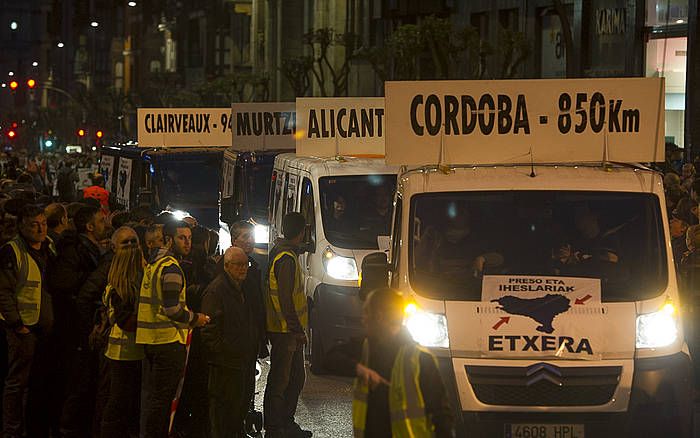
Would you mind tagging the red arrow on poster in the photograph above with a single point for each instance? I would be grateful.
(504, 320)
(582, 300)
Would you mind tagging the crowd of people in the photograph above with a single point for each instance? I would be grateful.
(125, 323)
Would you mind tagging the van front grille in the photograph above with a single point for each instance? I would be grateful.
(544, 384)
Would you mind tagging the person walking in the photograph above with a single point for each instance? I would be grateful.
(121, 412)
(398, 389)
(26, 312)
(232, 343)
(163, 323)
(287, 322)
(97, 191)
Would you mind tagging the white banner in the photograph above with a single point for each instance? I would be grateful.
(519, 121)
(558, 316)
(261, 126)
(107, 169)
(124, 182)
(184, 127)
(84, 179)
(340, 126)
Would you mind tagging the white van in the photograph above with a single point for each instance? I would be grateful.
(347, 203)
(547, 291)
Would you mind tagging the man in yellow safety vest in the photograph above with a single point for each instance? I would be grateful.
(398, 390)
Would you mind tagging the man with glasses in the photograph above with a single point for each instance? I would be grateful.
(26, 311)
(232, 342)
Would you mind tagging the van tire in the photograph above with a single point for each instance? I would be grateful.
(318, 357)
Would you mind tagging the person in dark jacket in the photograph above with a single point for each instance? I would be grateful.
(387, 342)
(26, 329)
(77, 260)
(57, 220)
(232, 342)
(689, 288)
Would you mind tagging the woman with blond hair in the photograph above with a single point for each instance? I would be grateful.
(121, 413)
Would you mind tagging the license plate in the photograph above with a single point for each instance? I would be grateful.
(544, 431)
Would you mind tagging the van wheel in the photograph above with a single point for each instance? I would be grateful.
(318, 357)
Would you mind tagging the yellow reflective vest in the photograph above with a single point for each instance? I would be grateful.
(28, 287)
(153, 326)
(121, 345)
(276, 322)
(406, 403)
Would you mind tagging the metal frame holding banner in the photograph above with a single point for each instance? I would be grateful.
(340, 126)
(523, 121)
(184, 127)
(262, 126)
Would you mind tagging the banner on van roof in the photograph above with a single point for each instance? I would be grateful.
(184, 127)
(262, 126)
(340, 126)
(519, 121)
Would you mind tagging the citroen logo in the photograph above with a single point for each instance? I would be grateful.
(543, 371)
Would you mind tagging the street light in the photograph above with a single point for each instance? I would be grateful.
(60, 45)
(94, 24)
(14, 85)
(14, 25)
(35, 64)
(11, 73)
(132, 4)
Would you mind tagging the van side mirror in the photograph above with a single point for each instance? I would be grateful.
(375, 273)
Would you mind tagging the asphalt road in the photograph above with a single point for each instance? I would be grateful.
(324, 407)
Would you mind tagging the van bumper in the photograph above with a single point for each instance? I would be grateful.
(661, 405)
(337, 315)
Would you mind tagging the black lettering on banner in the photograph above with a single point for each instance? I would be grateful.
(581, 98)
(530, 343)
(630, 120)
(313, 125)
(379, 112)
(597, 115)
(147, 125)
(512, 339)
(504, 120)
(521, 119)
(178, 122)
(614, 110)
(257, 123)
(171, 123)
(341, 113)
(159, 123)
(451, 110)
(354, 127)
(495, 343)
(324, 129)
(277, 122)
(332, 120)
(433, 125)
(367, 122)
(269, 130)
(548, 343)
(243, 124)
(486, 101)
(584, 345)
(417, 101)
(567, 342)
(564, 119)
(468, 114)
(287, 121)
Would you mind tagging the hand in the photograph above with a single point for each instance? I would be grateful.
(370, 377)
(23, 330)
(201, 320)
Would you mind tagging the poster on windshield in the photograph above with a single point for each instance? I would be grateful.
(184, 127)
(107, 169)
(351, 126)
(263, 126)
(524, 315)
(124, 182)
(524, 121)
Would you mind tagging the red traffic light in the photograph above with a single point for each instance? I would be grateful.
(81, 132)
(31, 83)
(11, 134)
(14, 85)
(14, 125)
(99, 134)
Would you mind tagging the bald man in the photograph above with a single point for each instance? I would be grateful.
(232, 339)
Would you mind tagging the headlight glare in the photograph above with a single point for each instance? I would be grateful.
(657, 329)
(262, 233)
(339, 267)
(428, 329)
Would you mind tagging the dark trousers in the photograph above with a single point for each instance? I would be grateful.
(120, 418)
(230, 392)
(284, 381)
(81, 387)
(162, 370)
(20, 355)
(192, 417)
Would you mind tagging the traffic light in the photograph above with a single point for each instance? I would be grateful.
(11, 134)
(31, 83)
(81, 132)
(14, 85)
(99, 134)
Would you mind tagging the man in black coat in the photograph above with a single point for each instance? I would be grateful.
(232, 341)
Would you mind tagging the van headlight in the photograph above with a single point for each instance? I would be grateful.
(658, 329)
(426, 328)
(339, 267)
(262, 233)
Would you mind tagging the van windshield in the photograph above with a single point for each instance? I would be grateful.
(356, 209)
(190, 182)
(258, 186)
(459, 237)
